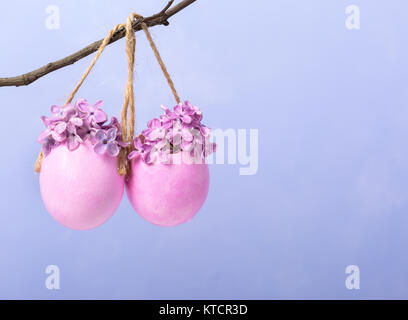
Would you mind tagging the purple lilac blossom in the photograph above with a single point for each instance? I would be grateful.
(176, 130)
(142, 149)
(106, 142)
(72, 124)
(94, 114)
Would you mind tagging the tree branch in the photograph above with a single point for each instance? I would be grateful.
(156, 19)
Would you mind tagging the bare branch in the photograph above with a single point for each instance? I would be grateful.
(160, 18)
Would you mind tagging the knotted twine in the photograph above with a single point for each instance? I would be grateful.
(129, 101)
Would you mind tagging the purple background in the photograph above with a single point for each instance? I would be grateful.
(332, 186)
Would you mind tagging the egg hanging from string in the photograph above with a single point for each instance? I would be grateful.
(79, 182)
(169, 178)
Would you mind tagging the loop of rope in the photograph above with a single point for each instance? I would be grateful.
(98, 53)
(160, 61)
(129, 103)
(129, 95)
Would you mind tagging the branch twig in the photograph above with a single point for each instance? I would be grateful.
(156, 19)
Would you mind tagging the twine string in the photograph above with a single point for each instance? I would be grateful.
(128, 125)
(160, 61)
(129, 102)
(98, 53)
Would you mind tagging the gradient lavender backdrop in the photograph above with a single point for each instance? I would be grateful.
(332, 186)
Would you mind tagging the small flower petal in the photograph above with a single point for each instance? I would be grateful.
(113, 149)
(98, 104)
(73, 142)
(186, 119)
(55, 109)
(178, 110)
(133, 154)
(100, 135)
(100, 148)
(43, 135)
(111, 134)
(154, 123)
(83, 106)
(186, 134)
(76, 121)
(60, 127)
(100, 116)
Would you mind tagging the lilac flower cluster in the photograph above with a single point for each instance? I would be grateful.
(176, 130)
(72, 124)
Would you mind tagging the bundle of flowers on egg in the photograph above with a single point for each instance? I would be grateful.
(169, 176)
(79, 182)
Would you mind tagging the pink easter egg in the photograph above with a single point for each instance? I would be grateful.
(167, 194)
(80, 189)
